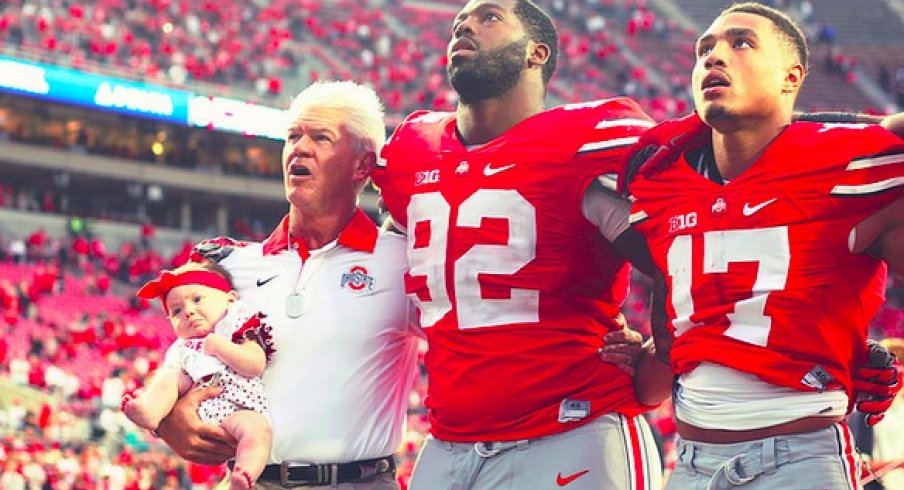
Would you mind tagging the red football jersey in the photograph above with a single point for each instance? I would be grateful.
(514, 285)
(761, 276)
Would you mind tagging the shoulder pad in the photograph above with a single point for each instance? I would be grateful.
(415, 129)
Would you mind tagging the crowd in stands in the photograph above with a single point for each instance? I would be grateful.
(258, 44)
(608, 47)
(166, 41)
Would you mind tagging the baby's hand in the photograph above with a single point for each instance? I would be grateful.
(213, 344)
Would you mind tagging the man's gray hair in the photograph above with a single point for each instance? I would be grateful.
(363, 109)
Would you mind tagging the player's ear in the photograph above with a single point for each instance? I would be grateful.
(233, 296)
(538, 54)
(794, 78)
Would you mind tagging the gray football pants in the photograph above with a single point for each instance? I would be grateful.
(818, 460)
(612, 452)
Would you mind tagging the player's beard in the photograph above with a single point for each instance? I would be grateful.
(488, 75)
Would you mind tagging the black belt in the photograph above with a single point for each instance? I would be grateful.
(290, 474)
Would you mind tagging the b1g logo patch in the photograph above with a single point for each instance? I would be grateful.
(426, 177)
(357, 279)
(682, 222)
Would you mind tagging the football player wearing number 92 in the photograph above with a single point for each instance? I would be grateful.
(774, 237)
(517, 251)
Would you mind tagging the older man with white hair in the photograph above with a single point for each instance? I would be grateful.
(331, 284)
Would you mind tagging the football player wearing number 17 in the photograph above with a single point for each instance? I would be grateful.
(517, 253)
(774, 237)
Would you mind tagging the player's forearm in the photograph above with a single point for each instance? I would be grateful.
(882, 235)
(633, 246)
(892, 249)
(894, 123)
(652, 379)
(659, 319)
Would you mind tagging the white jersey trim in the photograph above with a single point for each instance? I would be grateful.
(627, 122)
(609, 181)
(856, 190)
(862, 163)
(713, 396)
(637, 217)
(608, 144)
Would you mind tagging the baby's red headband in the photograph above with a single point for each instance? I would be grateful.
(158, 288)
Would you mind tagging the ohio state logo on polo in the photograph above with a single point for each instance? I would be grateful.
(338, 385)
(357, 279)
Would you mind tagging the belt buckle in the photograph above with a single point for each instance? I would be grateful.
(324, 474)
(487, 449)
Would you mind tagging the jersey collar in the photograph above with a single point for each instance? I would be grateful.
(359, 234)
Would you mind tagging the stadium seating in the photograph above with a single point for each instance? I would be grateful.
(166, 42)
(608, 48)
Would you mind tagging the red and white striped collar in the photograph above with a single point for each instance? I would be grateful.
(359, 234)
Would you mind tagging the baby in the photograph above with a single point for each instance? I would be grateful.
(215, 346)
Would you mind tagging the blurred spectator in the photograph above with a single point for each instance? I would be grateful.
(12, 479)
(16, 414)
(806, 11)
(18, 371)
(4, 134)
(885, 78)
(18, 250)
(827, 34)
(36, 243)
(146, 234)
(81, 142)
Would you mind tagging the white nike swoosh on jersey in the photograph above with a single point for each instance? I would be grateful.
(751, 210)
(490, 171)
